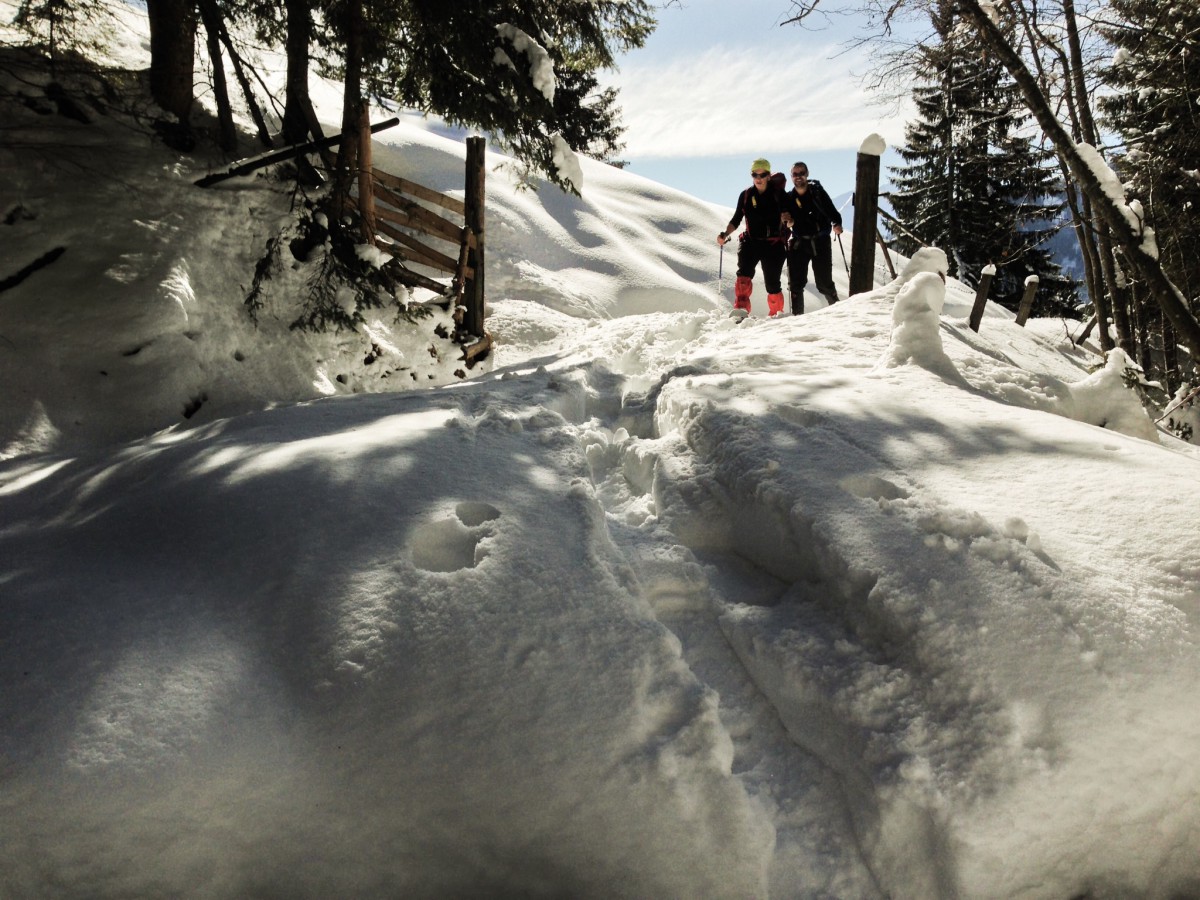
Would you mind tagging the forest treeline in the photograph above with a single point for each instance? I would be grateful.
(1032, 117)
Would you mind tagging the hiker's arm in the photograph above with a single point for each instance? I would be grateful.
(723, 236)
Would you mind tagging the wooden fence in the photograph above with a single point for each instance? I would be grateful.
(397, 217)
(393, 208)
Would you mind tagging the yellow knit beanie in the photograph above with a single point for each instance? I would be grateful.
(760, 165)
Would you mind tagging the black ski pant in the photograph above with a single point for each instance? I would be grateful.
(770, 253)
(819, 252)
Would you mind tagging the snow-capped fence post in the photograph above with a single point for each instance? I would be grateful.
(1031, 286)
(981, 294)
(474, 218)
(866, 216)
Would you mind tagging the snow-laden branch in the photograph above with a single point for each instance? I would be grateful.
(541, 67)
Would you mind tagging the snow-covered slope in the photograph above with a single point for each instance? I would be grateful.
(137, 318)
(857, 604)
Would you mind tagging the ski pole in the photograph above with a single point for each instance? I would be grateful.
(721, 272)
(843, 249)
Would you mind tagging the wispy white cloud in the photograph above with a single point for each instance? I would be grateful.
(733, 101)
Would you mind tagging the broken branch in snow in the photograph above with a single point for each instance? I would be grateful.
(40, 263)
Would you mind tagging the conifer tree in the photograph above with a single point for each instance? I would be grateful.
(973, 183)
(1156, 109)
(521, 70)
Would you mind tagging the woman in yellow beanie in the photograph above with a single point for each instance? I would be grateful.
(761, 205)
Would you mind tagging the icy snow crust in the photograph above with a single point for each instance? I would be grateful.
(858, 604)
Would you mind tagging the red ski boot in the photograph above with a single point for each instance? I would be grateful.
(742, 289)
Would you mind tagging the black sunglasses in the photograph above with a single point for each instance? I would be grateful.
(795, 174)
(760, 174)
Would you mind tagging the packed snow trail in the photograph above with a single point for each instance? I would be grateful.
(889, 629)
(696, 609)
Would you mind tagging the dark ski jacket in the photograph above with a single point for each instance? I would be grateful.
(761, 211)
(813, 212)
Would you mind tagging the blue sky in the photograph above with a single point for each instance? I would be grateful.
(720, 82)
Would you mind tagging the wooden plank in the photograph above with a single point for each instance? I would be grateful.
(415, 279)
(441, 260)
(386, 220)
(472, 353)
(404, 186)
(887, 257)
(411, 254)
(431, 221)
(401, 255)
(403, 220)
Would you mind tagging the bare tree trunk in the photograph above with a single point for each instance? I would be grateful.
(211, 19)
(352, 102)
(1087, 123)
(1171, 372)
(172, 55)
(1074, 97)
(1139, 322)
(1081, 212)
(1118, 294)
(1123, 232)
(299, 39)
(209, 8)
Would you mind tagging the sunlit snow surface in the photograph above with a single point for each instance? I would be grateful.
(858, 604)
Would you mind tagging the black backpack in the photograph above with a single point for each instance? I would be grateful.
(778, 189)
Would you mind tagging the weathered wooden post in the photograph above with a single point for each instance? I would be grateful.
(981, 293)
(474, 217)
(866, 215)
(1031, 286)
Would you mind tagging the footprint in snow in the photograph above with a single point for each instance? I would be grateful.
(451, 543)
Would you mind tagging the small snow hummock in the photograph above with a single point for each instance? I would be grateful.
(1104, 399)
(916, 320)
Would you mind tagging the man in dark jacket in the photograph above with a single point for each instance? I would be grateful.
(813, 216)
(761, 205)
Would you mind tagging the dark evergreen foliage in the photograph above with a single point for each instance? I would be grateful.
(973, 183)
(449, 59)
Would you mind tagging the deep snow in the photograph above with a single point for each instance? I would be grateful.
(854, 604)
